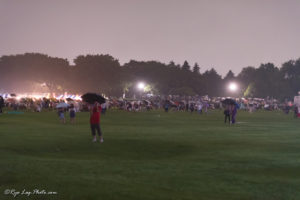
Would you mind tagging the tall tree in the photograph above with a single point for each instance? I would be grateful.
(212, 83)
(196, 68)
(98, 73)
(31, 71)
(229, 76)
(186, 66)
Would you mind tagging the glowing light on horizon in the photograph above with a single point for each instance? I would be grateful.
(233, 87)
(141, 86)
(39, 96)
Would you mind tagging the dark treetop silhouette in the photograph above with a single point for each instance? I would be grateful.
(33, 72)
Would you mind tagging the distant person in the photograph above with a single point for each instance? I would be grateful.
(1, 104)
(148, 107)
(200, 108)
(129, 106)
(166, 106)
(192, 108)
(296, 112)
(233, 113)
(206, 105)
(38, 108)
(136, 107)
(187, 107)
(72, 113)
(227, 114)
(95, 122)
(287, 109)
(104, 108)
(61, 115)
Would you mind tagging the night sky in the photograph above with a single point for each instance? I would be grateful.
(224, 34)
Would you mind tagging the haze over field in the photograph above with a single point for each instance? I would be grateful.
(229, 34)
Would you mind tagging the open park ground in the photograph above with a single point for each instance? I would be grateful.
(151, 155)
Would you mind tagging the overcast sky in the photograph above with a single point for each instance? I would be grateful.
(224, 34)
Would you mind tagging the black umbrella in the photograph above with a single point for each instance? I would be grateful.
(229, 102)
(92, 98)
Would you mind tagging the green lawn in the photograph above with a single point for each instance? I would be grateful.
(152, 155)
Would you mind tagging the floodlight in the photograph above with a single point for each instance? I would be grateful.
(141, 85)
(232, 87)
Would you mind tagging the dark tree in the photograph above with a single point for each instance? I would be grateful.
(229, 76)
(98, 73)
(186, 66)
(32, 72)
(196, 68)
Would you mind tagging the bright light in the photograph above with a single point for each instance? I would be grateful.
(233, 87)
(141, 85)
(78, 97)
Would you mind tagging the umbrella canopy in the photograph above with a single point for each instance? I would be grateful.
(92, 98)
(62, 105)
(231, 102)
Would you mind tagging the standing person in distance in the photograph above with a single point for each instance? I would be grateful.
(95, 112)
(1, 104)
(227, 114)
(233, 113)
(72, 114)
(104, 108)
(61, 115)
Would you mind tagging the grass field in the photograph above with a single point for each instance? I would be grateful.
(151, 155)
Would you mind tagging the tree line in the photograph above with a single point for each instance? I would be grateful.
(34, 72)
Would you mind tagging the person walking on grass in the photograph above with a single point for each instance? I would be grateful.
(199, 108)
(1, 104)
(95, 122)
(227, 114)
(72, 114)
(61, 115)
(192, 107)
(166, 106)
(233, 113)
(295, 111)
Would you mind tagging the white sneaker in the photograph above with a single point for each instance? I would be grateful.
(95, 140)
(101, 140)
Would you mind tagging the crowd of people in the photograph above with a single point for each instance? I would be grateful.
(198, 104)
(195, 103)
(168, 103)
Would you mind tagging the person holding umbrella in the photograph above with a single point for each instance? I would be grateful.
(95, 121)
(233, 106)
(95, 111)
